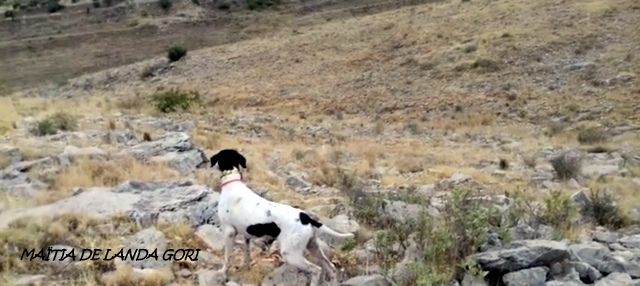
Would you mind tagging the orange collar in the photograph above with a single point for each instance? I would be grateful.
(230, 181)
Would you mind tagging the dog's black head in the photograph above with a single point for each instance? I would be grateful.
(228, 159)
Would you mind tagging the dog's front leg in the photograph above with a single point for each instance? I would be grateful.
(229, 236)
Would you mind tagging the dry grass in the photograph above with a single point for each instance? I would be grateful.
(89, 173)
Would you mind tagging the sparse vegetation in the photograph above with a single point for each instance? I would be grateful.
(10, 14)
(603, 210)
(559, 211)
(592, 135)
(176, 53)
(57, 122)
(174, 100)
(566, 165)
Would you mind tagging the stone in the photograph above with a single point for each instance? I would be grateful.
(367, 280)
(605, 236)
(340, 223)
(522, 254)
(12, 153)
(149, 239)
(72, 153)
(184, 162)
(30, 280)
(286, 275)
(597, 256)
(174, 148)
(212, 236)
(298, 182)
(211, 278)
(632, 241)
(402, 212)
(522, 231)
(527, 277)
(145, 202)
(470, 280)
(615, 279)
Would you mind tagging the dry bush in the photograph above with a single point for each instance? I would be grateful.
(603, 209)
(567, 166)
(592, 135)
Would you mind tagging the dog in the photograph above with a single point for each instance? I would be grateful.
(241, 211)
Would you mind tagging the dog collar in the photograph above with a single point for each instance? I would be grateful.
(229, 182)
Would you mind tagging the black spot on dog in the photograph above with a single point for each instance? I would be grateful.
(306, 219)
(228, 159)
(268, 213)
(264, 229)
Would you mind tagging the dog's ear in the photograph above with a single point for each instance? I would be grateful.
(242, 161)
(214, 160)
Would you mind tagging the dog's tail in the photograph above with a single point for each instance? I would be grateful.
(306, 219)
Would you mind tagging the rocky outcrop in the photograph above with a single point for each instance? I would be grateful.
(176, 149)
(145, 202)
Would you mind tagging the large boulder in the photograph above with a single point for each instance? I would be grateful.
(146, 202)
(367, 280)
(598, 256)
(632, 241)
(174, 148)
(522, 254)
(527, 277)
(286, 275)
(615, 279)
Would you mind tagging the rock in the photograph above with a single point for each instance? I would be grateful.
(615, 279)
(212, 236)
(367, 280)
(286, 275)
(583, 271)
(340, 223)
(72, 153)
(146, 202)
(403, 273)
(183, 272)
(211, 278)
(522, 232)
(595, 165)
(522, 254)
(183, 162)
(11, 153)
(580, 198)
(30, 280)
(298, 183)
(632, 241)
(564, 283)
(402, 212)
(57, 256)
(174, 148)
(527, 277)
(458, 178)
(149, 239)
(597, 256)
(470, 280)
(580, 66)
(605, 236)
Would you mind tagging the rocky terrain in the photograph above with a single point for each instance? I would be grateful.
(465, 143)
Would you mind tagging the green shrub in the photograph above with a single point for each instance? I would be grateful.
(174, 100)
(176, 53)
(566, 166)
(559, 211)
(52, 124)
(165, 4)
(603, 210)
(592, 135)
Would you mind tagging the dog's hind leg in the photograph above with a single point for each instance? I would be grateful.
(229, 236)
(303, 264)
(326, 264)
(247, 253)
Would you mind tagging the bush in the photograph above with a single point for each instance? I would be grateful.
(592, 135)
(10, 14)
(260, 4)
(559, 211)
(174, 100)
(165, 4)
(602, 209)
(53, 6)
(52, 124)
(176, 53)
(567, 166)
